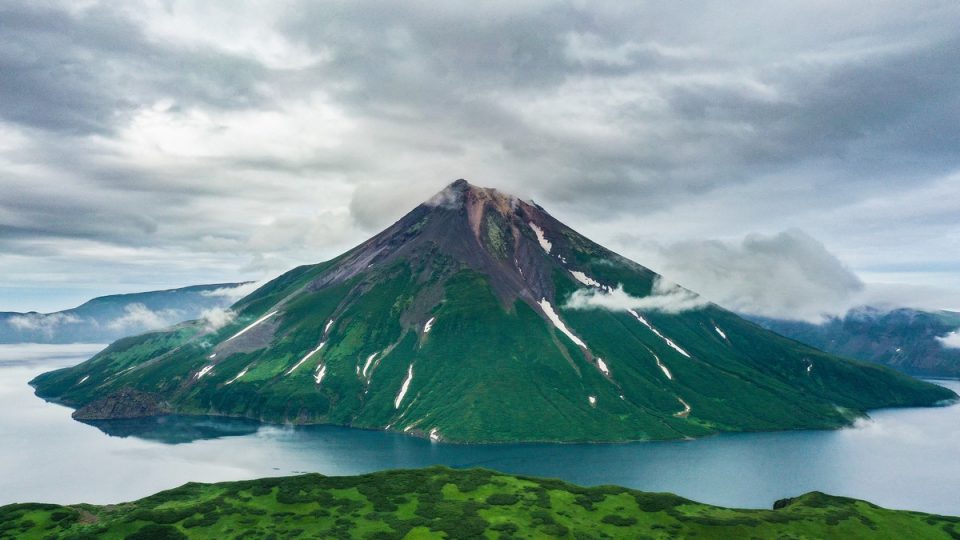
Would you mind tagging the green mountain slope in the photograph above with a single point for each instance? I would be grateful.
(904, 339)
(445, 503)
(454, 323)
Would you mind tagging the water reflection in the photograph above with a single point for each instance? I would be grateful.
(173, 429)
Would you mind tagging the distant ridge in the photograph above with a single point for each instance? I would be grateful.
(108, 318)
(907, 340)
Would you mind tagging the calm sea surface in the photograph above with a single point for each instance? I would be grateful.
(900, 458)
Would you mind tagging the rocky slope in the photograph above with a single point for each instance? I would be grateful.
(905, 339)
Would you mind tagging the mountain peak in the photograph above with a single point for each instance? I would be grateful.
(460, 184)
(462, 193)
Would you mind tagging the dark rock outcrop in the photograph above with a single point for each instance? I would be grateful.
(125, 403)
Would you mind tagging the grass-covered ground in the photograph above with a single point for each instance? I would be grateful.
(444, 503)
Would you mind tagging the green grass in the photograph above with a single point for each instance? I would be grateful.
(444, 503)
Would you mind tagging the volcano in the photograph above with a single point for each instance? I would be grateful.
(478, 317)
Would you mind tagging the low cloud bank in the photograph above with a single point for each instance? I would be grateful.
(109, 321)
(217, 318)
(950, 341)
(234, 293)
(665, 297)
(139, 317)
(786, 275)
(37, 322)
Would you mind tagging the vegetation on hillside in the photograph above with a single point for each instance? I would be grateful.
(444, 503)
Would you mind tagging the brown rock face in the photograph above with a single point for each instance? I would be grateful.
(125, 403)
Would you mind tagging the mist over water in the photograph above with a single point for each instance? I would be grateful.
(900, 458)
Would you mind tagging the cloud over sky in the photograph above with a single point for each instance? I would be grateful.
(789, 273)
(138, 316)
(171, 143)
(785, 275)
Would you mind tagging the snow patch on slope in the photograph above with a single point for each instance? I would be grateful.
(308, 355)
(663, 368)
(203, 371)
(667, 340)
(404, 388)
(84, 379)
(241, 374)
(327, 327)
(428, 325)
(592, 400)
(686, 409)
(544, 243)
(603, 366)
(719, 331)
(585, 279)
(252, 325)
(321, 371)
(366, 365)
(555, 319)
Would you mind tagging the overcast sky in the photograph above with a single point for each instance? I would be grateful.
(776, 156)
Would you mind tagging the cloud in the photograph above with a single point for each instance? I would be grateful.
(217, 318)
(787, 275)
(375, 205)
(449, 197)
(234, 293)
(313, 124)
(665, 297)
(47, 324)
(887, 296)
(138, 317)
(40, 354)
(950, 341)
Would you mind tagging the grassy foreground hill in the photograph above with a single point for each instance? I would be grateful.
(444, 503)
(478, 317)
